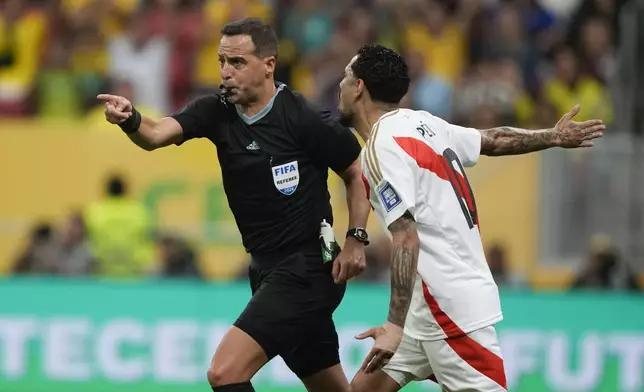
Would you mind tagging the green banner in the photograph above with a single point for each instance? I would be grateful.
(95, 336)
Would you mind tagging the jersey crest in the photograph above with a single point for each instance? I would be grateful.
(286, 177)
(388, 197)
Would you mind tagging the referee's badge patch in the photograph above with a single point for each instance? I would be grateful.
(286, 177)
(388, 197)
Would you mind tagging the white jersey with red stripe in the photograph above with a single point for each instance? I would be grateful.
(414, 162)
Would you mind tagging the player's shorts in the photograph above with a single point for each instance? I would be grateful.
(471, 362)
(290, 312)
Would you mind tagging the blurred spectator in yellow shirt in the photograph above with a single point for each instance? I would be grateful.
(93, 23)
(58, 93)
(22, 35)
(119, 231)
(428, 92)
(110, 16)
(570, 87)
(441, 38)
(89, 59)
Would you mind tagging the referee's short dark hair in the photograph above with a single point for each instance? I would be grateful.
(384, 72)
(262, 35)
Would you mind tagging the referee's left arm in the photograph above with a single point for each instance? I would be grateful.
(351, 260)
(336, 147)
(357, 202)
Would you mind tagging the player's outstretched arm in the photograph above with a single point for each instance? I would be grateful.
(566, 134)
(404, 263)
(143, 131)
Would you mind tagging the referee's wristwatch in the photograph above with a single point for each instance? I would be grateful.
(359, 234)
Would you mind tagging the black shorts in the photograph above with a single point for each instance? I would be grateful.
(290, 312)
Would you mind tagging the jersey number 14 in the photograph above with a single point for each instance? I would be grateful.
(461, 187)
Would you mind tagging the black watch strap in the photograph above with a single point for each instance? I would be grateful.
(359, 234)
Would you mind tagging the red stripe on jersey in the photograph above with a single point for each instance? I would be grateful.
(367, 189)
(469, 350)
(444, 321)
(426, 158)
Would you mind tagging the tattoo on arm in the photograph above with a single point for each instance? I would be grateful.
(515, 141)
(404, 264)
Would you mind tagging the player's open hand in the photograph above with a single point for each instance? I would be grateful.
(387, 339)
(350, 262)
(117, 109)
(572, 134)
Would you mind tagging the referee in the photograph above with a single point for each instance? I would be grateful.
(275, 150)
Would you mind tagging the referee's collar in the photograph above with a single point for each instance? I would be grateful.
(259, 115)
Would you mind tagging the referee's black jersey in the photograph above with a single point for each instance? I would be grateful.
(274, 165)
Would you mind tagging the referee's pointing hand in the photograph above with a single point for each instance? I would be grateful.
(117, 109)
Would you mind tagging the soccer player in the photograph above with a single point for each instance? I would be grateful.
(275, 150)
(444, 302)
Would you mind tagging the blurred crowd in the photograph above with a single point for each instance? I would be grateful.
(480, 63)
(112, 237)
(603, 267)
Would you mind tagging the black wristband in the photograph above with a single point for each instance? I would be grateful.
(132, 124)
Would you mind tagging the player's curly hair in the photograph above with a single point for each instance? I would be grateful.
(384, 72)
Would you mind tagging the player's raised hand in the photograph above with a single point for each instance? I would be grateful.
(349, 263)
(572, 134)
(387, 339)
(117, 109)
